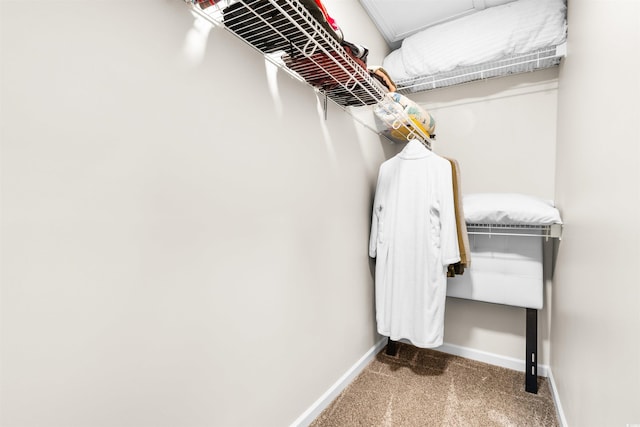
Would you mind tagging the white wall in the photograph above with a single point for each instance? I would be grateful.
(503, 134)
(167, 262)
(179, 247)
(596, 300)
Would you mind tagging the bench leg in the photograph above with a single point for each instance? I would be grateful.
(531, 361)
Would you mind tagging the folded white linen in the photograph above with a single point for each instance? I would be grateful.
(518, 27)
(509, 209)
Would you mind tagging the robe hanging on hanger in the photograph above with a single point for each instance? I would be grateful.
(414, 239)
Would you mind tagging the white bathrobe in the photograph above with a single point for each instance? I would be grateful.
(414, 238)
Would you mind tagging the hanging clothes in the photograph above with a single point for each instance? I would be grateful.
(413, 238)
(463, 237)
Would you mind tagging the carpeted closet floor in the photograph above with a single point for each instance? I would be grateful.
(420, 387)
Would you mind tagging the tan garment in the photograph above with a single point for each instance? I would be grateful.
(381, 74)
(463, 238)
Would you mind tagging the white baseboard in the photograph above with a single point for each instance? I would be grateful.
(490, 358)
(319, 405)
(556, 399)
(470, 353)
(509, 363)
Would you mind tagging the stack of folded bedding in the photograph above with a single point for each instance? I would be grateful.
(514, 28)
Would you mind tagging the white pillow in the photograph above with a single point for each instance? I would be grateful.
(509, 208)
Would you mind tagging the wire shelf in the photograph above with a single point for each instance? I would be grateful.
(546, 231)
(515, 64)
(289, 36)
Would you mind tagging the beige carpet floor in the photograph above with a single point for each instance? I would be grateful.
(421, 387)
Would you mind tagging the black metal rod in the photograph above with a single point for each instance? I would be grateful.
(531, 360)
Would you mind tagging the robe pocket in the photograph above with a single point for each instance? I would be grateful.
(380, 232)
(434, 220)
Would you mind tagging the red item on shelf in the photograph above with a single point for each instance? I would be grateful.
(206, 3)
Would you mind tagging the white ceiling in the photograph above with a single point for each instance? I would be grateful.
(398, 19)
